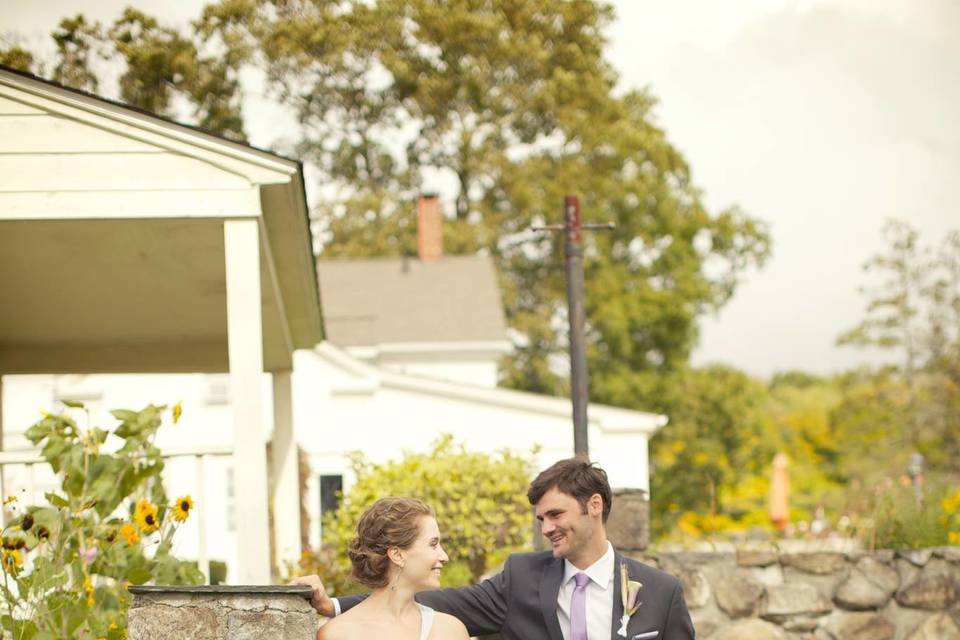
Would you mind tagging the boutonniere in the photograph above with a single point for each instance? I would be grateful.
(629, 593)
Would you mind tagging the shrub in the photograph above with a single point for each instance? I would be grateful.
(479, 499)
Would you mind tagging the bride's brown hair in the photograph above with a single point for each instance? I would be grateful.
(387, 523)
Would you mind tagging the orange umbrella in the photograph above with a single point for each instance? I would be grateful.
(780, 492)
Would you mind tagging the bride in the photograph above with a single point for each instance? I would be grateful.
(396, 553)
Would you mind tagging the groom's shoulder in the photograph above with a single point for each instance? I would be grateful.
(530, 559)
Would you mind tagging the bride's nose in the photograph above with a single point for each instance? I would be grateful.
(444, 558)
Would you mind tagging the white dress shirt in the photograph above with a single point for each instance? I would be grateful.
(599, 596)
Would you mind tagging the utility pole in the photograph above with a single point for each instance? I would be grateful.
(573, 261)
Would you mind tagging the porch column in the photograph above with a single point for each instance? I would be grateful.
(285, 480)
(245, 347)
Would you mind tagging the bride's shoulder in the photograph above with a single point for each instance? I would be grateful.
(446, 626)
(334, 629)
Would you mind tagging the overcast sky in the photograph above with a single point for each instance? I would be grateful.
(823, 118)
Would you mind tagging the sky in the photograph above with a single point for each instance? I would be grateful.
(821, 118)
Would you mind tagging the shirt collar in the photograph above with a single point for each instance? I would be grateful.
(600, 572)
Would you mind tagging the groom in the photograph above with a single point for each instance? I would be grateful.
(570, 593)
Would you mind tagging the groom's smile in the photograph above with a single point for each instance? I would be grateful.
(571, 532)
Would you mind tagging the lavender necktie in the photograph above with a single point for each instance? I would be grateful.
(578, 608)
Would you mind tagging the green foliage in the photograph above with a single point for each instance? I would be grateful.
(914, 312)
(515, 103)
(899, 522)
(66, 564)
(479, 500)
(17, 58)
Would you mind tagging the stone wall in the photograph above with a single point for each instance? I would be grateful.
(881, 595)
(221, 613)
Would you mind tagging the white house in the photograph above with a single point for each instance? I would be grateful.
(411, 352)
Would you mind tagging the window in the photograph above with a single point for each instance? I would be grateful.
(330, 489)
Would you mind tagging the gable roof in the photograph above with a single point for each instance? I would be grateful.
(377, 301)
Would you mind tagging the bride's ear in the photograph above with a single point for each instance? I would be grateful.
(395, 555)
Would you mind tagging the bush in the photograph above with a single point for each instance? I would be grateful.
(66, 566)
(480, 502)
(900, 523)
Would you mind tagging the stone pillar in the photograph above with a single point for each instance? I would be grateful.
(628, 527)
(221, 613)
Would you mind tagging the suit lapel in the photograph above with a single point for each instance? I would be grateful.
(549, 590)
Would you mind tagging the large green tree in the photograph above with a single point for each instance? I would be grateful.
(514, 104)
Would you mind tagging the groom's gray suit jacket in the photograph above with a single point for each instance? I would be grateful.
(520, 602)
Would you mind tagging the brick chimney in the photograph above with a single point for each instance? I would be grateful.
(429, 228)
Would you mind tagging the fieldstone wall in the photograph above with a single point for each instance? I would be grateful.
(881, 595)
(221, 613)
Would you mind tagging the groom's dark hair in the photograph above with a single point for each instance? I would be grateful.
(575, 477)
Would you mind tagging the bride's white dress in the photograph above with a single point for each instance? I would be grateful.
(426, 621)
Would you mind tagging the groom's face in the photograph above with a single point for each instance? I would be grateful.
(563, 522)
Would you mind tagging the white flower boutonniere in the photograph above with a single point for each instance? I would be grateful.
(629, 594)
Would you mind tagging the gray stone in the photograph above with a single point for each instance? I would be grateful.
(254, 625)
(160, 622)
(928, 591)
(752, 629)
(299, 626)
(738, 595)
(816, 563)
(860, 626)
(696, 588)
(801, 624)
(869, 586)
(788, 600)
(628, 526)
(937, 627)
(233, 613)
(879, 573)
(951, 554)
(748, 558)
(916, 557)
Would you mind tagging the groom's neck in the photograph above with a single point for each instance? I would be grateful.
(593, 551)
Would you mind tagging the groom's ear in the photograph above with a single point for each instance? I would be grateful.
(595, 505)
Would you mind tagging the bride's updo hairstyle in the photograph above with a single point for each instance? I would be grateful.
(387, 523)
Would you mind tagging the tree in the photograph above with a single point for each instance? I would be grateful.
(717, 440)
(479, 500)
(516, 105)
(160, 66)
(915, 312)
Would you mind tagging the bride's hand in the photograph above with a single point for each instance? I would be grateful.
(319, 599)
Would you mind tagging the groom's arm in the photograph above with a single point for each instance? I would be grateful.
(678, 625)
(482, 608)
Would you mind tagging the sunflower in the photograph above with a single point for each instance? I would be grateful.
(182, 507)
(146, 516)
(11, 560)
(129, 533)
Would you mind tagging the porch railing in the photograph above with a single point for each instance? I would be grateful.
(32, 495)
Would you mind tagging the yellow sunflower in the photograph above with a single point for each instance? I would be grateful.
(146, 516)
(182, 507)
(11, 560)
(129, 534)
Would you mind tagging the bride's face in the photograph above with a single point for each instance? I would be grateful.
(425, 557)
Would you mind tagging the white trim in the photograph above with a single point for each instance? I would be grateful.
(606, 418)
(258, 166)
